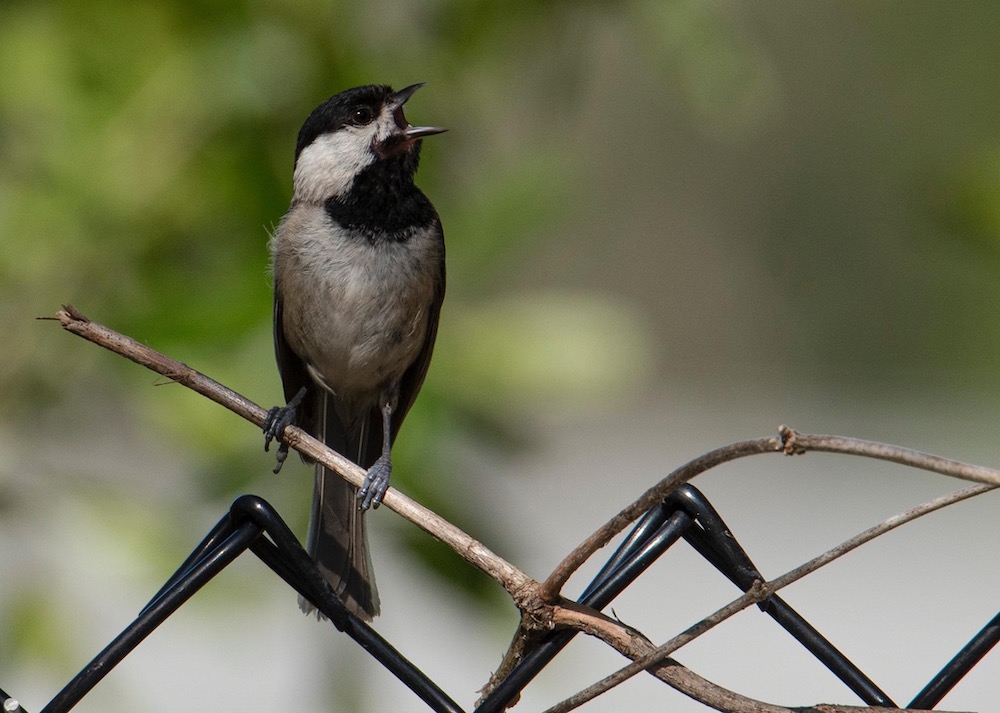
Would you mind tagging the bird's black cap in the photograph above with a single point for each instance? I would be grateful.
(336, 112)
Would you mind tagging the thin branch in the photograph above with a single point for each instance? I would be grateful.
(795, 443)
(757, 594)
(524, 638)
(791, 443)
(682, 679)
(516, 582)
(540, 604)
(552, 586)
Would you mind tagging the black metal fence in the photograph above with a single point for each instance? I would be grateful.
(686, 515)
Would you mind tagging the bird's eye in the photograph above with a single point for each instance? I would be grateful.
(362, 115)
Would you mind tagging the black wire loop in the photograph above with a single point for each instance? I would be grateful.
(251, 523)
(242, 528)
(687, 513)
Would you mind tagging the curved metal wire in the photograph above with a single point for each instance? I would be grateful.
(253, 524)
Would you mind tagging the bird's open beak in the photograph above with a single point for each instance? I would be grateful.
(410, 133)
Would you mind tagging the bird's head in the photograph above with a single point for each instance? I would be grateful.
(350, 132)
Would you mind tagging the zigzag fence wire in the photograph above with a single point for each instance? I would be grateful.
(252, 524)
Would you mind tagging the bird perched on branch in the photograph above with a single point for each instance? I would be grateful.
(359, 278)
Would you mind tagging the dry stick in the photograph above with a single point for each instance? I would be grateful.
(688, 682)
(516, 582)
(519, 585)
(554, 584)
(796, 443)
(790, 443)
(633, 645)
(757, 594)
(549, 591)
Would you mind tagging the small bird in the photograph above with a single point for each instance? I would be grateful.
(358, 265)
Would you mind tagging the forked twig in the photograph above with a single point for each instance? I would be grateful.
(759, 593)
(541, 603)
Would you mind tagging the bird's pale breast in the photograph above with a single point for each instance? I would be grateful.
(355, 311)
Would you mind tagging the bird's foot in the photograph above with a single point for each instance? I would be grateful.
(278, 419)
(376, 483)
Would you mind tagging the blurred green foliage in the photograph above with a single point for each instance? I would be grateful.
(146, 154)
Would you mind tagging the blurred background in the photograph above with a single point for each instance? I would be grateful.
(671, 225)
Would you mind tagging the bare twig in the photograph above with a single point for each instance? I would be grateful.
(524, 638)
(791, 443)
(518, 584)
(682, 679)
(795, 443)
(541, 605)
(554, 584)
(757, 594)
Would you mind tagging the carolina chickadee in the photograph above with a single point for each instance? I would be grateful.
(358, 265)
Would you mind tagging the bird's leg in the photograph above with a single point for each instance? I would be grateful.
(377, 478)
(277, 420)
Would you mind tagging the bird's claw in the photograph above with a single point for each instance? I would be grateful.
(280, 456)
(277, 420)
(376, 483)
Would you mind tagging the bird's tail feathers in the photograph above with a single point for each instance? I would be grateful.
(338, 538)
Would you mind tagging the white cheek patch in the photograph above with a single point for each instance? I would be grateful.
(326, 168)
(328, 165)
